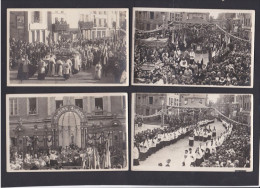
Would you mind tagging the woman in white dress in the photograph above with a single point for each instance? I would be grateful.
(98, 71)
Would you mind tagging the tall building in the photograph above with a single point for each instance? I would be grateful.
(150, 20)
(29, 26)
(58, 25)
(246, 21)
(60, 121)
(99, 24)
(150, 103)
(244, 104)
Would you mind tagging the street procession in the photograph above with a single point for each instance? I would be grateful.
(51, 48)
(200, 132)
(192, 48)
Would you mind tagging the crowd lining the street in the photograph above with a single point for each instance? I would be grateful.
(231, 148)
(229, 61)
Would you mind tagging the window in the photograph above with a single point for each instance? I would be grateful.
(186, 101)
(99, 22)
(99, 104)
(32, 106)
(13, 108)
(59, 103)
(150, 100)
(151, 15)
(95, 22)
(36, 17)
(79, 103)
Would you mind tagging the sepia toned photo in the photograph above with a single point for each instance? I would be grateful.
(193, 47)
(67, 47)
(67, 132)
(192, 132)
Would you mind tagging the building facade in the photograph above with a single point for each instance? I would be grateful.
(99, 24)
(150, 103)
(29, 26)
(150, 20)
(57, 24)
(244, 112)
(193, 99)
(45, 122)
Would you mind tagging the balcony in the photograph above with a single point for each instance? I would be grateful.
(60, 27)
(35, 26)
(86, 25)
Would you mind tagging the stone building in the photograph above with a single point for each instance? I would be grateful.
(58, 121)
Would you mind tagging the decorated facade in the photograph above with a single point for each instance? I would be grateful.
(40, 123)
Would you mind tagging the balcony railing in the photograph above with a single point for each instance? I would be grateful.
(86, 25)
(60, 27)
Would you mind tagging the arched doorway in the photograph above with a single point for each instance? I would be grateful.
(69, 126)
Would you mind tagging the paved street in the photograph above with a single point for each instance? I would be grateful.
(175, 152)
(83, 77)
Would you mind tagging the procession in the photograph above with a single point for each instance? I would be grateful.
(192, 49)
(94, 50)
(191, 136)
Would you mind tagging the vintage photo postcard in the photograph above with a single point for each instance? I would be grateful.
(67, 47)
(193, 47)
(67, 132)
(192, 132)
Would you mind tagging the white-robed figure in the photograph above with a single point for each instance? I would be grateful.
(67, 69)
(59, 68)
(98, 71)
(52, 63)
(77, 64)
(107, 157)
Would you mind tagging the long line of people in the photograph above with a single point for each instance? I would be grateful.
(229, 149)
(150, 141)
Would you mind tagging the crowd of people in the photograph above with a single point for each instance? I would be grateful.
(226, 62)
(150, 141)
(66, 57)
(71, 157)
(229, 149)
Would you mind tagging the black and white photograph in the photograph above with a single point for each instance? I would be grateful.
(193, 47)
(67, 47)
(192, 132)
(67, 132)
